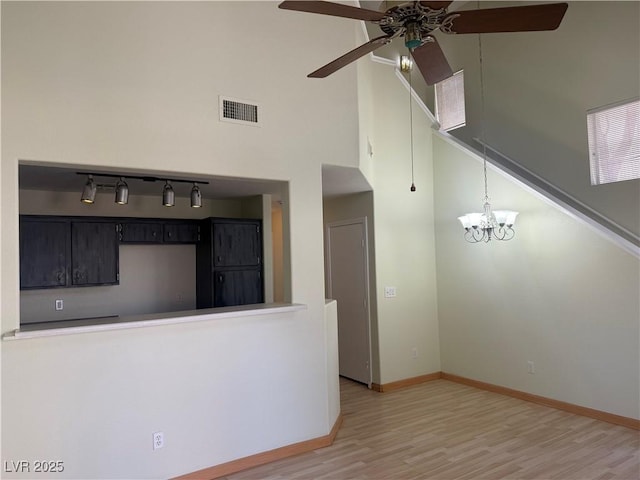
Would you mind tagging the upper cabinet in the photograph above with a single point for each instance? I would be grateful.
(236, 243)
(94, 253)
(45, 251)
(84, 251)
(138, 230)
(63, 252)
(183, 232)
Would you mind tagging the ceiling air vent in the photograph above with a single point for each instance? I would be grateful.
(238, 111)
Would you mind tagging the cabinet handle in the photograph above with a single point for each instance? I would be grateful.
(60, 277)
(220, 278)
(219, 258)
(169, 234)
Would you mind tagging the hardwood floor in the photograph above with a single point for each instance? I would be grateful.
(445, 430)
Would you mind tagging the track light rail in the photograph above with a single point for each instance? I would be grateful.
(145, 178)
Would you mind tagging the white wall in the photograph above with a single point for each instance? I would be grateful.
(559, 294)
(539, 86)
(401, 235)
(404, 236)
(135, 85)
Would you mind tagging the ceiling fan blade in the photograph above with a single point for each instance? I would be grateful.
(431, 61)
(349, 57)
(335, 9)
(528, 18)
(436, 5)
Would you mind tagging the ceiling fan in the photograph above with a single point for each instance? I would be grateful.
(416, 21)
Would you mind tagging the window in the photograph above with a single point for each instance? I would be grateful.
(614, 142)
(450, 102)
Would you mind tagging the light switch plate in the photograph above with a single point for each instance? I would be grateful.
(59, 305)
(389, 292)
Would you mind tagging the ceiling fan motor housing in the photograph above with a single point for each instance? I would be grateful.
(412, 20)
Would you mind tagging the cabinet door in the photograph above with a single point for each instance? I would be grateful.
(94, 253)
(236, 244)
(142, 232)
(237, 287)
(44, 253)
(181, 232)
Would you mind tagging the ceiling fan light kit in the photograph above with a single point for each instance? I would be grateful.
(406, 64)
(416, 21)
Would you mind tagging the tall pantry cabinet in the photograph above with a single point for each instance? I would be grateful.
(229, 263)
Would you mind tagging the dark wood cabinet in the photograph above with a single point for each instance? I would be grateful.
(134, 230)
(229, 263)
(94, 253)
(44, 253)
(236, 244)
(140, 232)
(181, 232)
(237, 287)
(67, 252)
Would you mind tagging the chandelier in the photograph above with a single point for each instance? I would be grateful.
(483, 227)
(490, 224)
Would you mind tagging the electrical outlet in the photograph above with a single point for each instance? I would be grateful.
(414, 352)
(158, 440)
(389, 292)
(531, 368)
(59, 305)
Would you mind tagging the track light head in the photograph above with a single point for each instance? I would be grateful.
(196, 196)
(168, 195)
(122, 192)
(89, 191)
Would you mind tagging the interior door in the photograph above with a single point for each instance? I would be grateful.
(348, 283)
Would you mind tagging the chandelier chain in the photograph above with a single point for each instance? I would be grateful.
(482, 119)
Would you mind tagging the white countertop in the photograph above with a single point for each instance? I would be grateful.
(69, 327)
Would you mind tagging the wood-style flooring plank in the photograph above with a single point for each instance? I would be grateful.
(443, 430)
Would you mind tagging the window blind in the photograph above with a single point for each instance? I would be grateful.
(614, 142)
(449, 94)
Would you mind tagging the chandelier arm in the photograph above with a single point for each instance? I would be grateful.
(509, 232)
(468, 235)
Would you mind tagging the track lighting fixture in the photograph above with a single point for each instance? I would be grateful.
(122, 188)
(122, 192)
(89, 191)
(196, 196)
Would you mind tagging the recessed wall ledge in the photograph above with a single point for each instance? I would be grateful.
(100, 324)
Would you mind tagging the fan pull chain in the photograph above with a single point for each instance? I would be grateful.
(413, 185)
